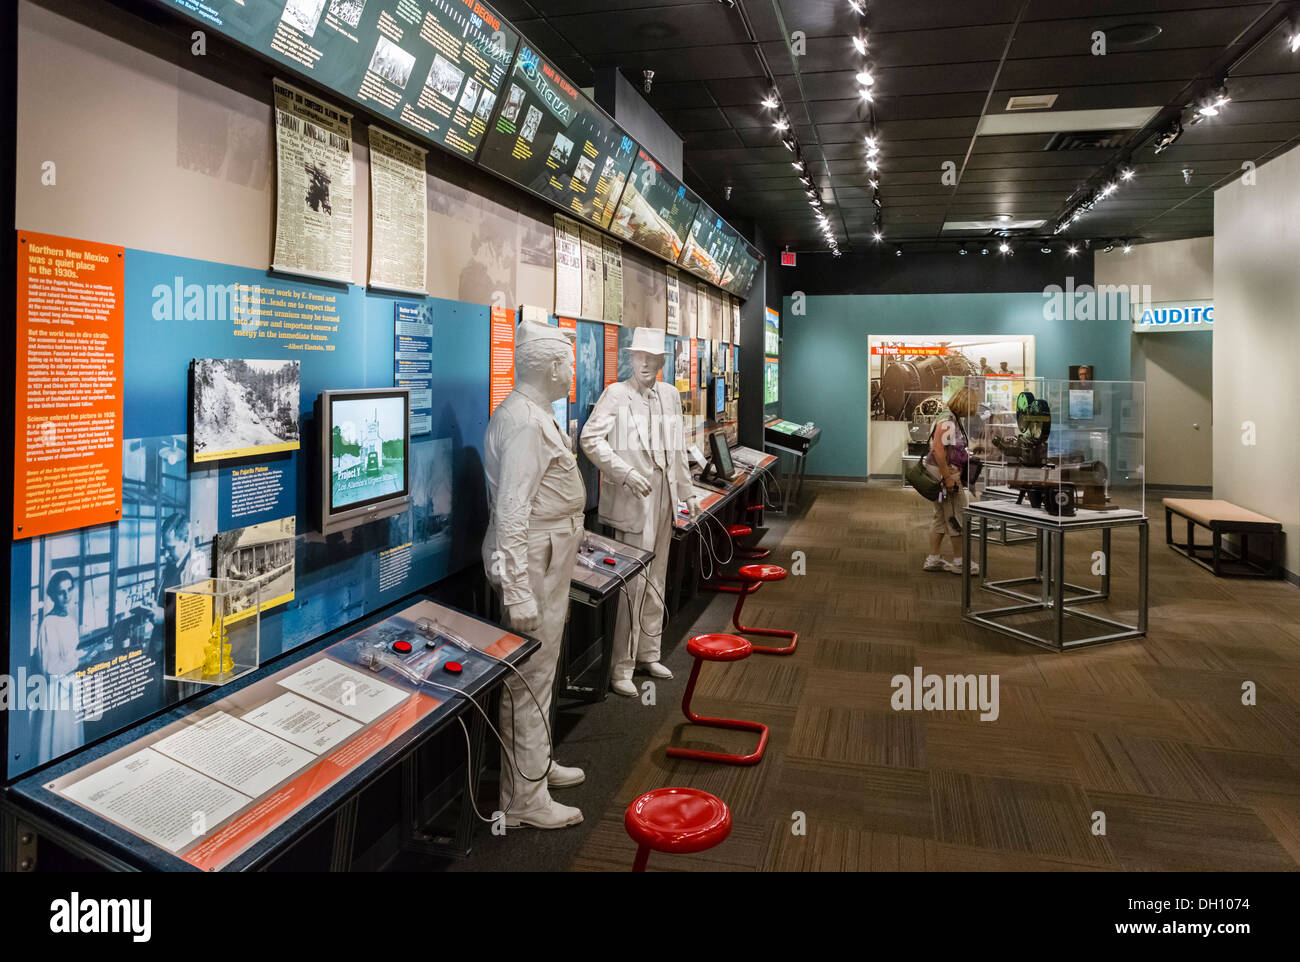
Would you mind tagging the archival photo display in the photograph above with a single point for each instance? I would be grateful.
(262, 553)
(244, 407)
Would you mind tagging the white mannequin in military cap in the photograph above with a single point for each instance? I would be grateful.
(636, 436)
(537, 499)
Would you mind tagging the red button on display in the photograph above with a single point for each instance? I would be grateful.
(452, 666)
(610, 561)
(402, 646)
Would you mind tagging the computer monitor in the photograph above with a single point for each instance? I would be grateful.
(717, 397)
(719, 467)
(365, 443)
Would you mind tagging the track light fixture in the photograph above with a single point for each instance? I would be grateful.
(898, 252)
(1110, 246)
(781, 123)
(1045, 249)
(1293, 38)
(962, 250)
(860, 45)
(877, 236)
(797, 165)
(770, 102)
(1072, 250)
(1004, 248)
(984, 250)
(789, 143)
(1166, 140)
(864, 78)
(865, 94)
(1127, 248)
(859, 6)
(648, 76)
(1127, 173)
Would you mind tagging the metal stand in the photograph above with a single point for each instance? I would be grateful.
(1049, 580)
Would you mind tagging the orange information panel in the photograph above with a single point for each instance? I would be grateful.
(68, 385)
(501, 377)
(570, 324)
(611, 354)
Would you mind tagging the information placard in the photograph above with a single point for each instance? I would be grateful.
(501, 377)
(710, 245)
(657, 209)
(552, 140)
(433, 66)
(68, 385)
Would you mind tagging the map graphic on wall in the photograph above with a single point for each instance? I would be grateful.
(550, 139)
(907, 372)
(433, 66)
(244, 407)
(657, 209)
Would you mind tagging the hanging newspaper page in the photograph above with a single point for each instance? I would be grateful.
(399, 214)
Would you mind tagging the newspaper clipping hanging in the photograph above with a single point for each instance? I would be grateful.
(613, 251)
(313, 152)
(568, 267)
(593, 274)
(399, 214)
(674, 325)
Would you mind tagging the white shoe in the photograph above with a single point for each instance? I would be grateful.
(553, 815)
(624, 687)
(561, 776)
(656, 670)
(934, 563)
(955, 567)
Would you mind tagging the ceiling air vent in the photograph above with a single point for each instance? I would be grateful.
(1088, 140)
(1037, 102)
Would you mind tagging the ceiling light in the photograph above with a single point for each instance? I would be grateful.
(835, 251)
(797, 165)
(875, 184)
(1109, 189)
(1293, 41)
(860, 45)
(962, 250)
(807, 181)
(1045, 249)
(770, 102)
(873, 164)
(870, 140)
(1127, 173)
(1110, 246)
(1127, 247)
(781, 124)
(864, 77)
(858, 7)
(1004, 248)
(789, 143)
(898, 252)
(1072, 250)
(873, 150)
(865, 94)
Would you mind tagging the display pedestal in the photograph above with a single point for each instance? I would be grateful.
(1051, 593)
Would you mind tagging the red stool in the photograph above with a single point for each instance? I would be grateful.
(753, 576)
(738, 531)
(717, 648)
(677, 820)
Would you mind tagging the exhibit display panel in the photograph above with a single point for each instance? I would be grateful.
(709, 247)
(1067, 449)
(657, 210)
(742, 268)
(433, 66)
(553, 141)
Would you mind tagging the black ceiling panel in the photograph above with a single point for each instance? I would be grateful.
(937, 69)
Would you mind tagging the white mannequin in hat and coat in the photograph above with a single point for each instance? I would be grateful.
(636, 437)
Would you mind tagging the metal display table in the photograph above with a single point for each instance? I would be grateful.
(786, 437)
(325, 788)
(1050, 591)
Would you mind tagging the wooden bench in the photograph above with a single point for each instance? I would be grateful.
(1220, 518)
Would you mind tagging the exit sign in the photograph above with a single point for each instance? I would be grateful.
(787, 258)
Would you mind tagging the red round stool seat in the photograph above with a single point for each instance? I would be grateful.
(761, 573)
(739, 530)
(719, 647)
(676, 820)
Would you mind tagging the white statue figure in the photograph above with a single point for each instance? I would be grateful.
(636, 436)
(537, 498)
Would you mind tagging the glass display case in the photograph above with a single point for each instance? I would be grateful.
(214, 630)
(1068, 449)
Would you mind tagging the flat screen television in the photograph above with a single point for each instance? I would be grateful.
(720, 467)
(365, 443)
(719, 397)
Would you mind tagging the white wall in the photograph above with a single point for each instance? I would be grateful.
(1257, 344)
(1177, 367)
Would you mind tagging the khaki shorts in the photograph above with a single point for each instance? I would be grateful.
(949, 506)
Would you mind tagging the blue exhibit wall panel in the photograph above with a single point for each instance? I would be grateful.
(824, 360)
(176, 310)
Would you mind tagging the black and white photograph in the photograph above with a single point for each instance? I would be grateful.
(608, 170)
(561, 149)
(585, 167)
(349, 11)
(514, 102)
(531, 121)
(472, 87)
(392, 62)
(244, 407)
(303, 14)
(444, 77)
(318, 189)
(485, 105)
(262, 553)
